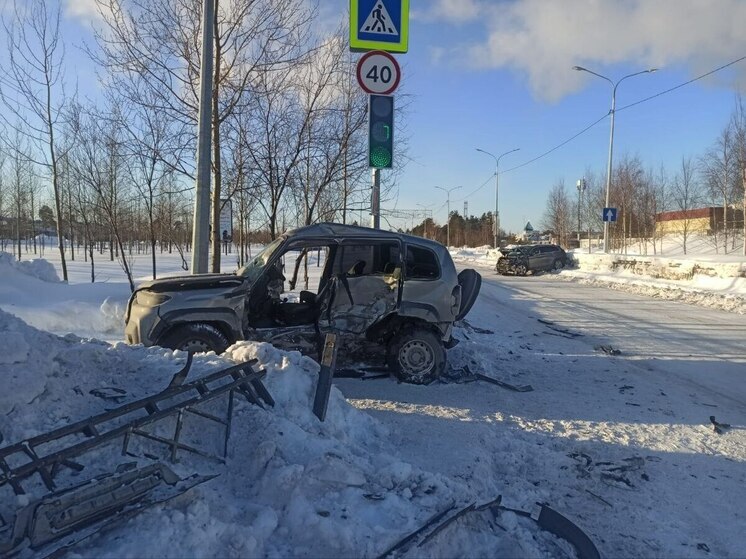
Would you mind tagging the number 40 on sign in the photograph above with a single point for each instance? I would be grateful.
(378, 73)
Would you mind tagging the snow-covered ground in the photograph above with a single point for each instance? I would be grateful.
(620, 444)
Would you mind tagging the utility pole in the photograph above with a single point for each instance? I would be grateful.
(201, 232)
(448, 218)
(581, 188)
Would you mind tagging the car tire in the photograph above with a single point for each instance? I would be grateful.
(197, 337)
(520, 269)
(416, 355)
(558, 264)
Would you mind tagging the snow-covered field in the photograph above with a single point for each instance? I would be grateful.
(618, 444)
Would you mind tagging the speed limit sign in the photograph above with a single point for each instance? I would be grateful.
(378, 73)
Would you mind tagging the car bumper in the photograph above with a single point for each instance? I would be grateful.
(142, 326)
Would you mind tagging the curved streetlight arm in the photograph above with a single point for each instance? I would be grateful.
(612, 111)
(497, 189)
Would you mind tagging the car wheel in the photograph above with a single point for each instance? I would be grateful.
(417, 356)
(520, 269)
(197, 337)
(558, 264)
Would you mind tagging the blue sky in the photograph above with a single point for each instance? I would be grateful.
(496, 74)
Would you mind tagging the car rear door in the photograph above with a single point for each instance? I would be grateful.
(365, 286)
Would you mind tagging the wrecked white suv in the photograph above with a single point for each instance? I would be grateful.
(375, 289)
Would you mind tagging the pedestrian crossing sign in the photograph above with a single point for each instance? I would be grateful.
(379, 25)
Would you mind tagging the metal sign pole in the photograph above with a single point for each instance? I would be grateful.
(375, 200)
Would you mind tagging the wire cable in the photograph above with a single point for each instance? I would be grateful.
(723, 67)
(702, 76)
(555, 148)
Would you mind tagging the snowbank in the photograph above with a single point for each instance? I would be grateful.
(36, 268)
(32, 291)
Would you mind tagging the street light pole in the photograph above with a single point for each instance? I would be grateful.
(448, 218)
(426, 211)
(581, 188)
(612, 111)
(497, 190)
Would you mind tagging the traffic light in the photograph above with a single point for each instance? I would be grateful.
(381, 131)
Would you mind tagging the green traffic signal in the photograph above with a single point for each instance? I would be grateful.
(381, 131)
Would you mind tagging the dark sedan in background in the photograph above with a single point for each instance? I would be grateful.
(521, 260)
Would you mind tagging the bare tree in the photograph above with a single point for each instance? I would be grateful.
(155, 44)
(739, 126)
(558, 216)
(686, 196)
(31, 88)
(720, 169)
(97, 163)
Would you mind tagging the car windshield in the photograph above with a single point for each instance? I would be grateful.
(253, 269)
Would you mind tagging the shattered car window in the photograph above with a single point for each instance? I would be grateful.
(253, 269)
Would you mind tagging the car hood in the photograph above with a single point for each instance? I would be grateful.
(197, 281)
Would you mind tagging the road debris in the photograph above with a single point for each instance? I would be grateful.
(718, 427)
(608, 350)
(547, 519)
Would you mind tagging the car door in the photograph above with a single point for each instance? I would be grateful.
(364, 286)
(535, 258)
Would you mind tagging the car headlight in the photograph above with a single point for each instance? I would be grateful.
(151, 299)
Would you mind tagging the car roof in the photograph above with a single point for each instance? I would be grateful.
(339, 230)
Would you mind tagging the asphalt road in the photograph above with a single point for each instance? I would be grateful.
(687, 343)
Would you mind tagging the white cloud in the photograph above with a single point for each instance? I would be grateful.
(452, 11)
(545, 38)
(85, 10)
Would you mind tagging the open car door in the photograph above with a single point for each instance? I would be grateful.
(470, 282)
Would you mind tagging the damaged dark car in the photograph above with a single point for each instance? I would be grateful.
(520, 260)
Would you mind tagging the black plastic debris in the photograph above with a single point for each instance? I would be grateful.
(548, 519)
(718, 427)
(608, 350)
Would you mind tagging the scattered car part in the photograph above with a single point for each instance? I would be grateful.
(404, 543)
(326, 374)
(76, 513)
(719, 428)
(130, 420)
(564, 331)
(608, 350)
(548, 519)
(62, 519)
(503, 384)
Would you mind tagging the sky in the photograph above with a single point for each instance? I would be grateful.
(497, 75)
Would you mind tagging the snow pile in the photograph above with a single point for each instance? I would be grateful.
(32, 291)
(36, 268)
